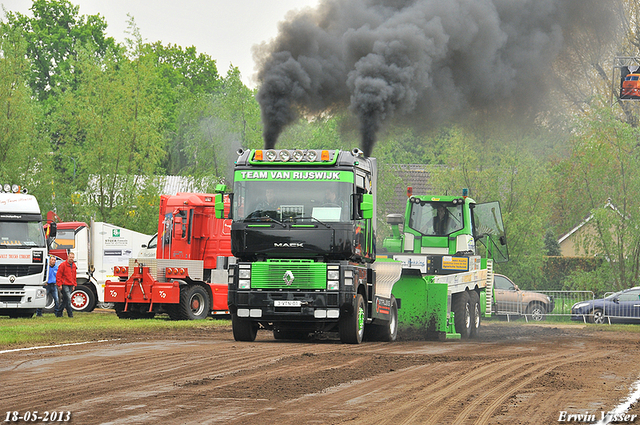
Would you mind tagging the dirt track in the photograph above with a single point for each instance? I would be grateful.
(513, 374)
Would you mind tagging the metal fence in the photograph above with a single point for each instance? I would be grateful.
(538, 305)
(618, 307)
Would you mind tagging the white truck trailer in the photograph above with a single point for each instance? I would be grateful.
(98, 247)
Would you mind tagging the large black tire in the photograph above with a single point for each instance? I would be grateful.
(462, 310)
(476, 313)
(243, 329)
(351, 326)
(143, 315)
(536, 312)
(83, 299)
(119, 308)
(195, 303)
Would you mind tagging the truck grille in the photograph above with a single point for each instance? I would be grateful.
(19, 270)
(306, 274)
(11, 293)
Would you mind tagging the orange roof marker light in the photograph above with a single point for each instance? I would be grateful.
(324, 156)
(258, 155)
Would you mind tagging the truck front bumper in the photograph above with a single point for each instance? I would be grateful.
(281, 306)
(23, 297)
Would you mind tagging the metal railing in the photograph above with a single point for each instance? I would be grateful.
(622, 309)
(537, 305)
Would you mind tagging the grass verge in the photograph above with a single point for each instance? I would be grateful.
(94, 326)
(564, 321)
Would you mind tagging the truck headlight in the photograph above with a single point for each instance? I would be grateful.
(244, 284)
(41, 293)
(244, 274)
(333, 285)
(333, 275)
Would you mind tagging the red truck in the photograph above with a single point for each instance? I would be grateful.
(188, 277)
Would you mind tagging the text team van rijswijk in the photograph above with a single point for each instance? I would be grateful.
(302, 175)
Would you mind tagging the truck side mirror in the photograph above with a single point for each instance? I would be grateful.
(219, 205)
(395, 220)
(179, 230)
(53, 230)
(366, 206)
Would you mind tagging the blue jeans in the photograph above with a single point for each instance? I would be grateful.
(52, 289)
(66, 301)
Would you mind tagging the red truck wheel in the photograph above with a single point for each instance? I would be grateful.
(83, 299)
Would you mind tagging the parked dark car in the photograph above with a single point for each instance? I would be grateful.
(511, 300)
(621, 307)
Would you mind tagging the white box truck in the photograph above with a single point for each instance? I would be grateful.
(98, 247)
(23, 254)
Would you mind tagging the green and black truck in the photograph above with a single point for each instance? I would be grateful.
(303, 234)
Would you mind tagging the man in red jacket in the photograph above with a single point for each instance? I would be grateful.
(66, 279)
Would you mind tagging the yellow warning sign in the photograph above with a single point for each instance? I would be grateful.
(455, 263)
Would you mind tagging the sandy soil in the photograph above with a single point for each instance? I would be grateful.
(512, 374)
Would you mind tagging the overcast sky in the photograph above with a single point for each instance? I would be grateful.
(224, 29)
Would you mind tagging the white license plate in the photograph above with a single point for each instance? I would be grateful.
(287, 303)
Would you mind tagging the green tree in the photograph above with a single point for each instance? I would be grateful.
(211, 127)
(54, 35)
(603, 167)
(551, 245)
(112, 124)
(24, 158)
(504, 171)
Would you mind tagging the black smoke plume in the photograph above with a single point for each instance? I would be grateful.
(428, 60)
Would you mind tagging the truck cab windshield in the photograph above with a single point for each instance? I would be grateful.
(292, 201)
(436, 218)
(21, 234)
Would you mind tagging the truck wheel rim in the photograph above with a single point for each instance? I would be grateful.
(360, 319)
(393, 324)
(467, 318)
(476, 321)
(197, 304)
(79, 300)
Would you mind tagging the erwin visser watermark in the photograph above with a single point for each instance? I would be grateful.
(603, 416)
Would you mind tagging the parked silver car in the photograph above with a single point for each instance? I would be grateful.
(511, 300)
